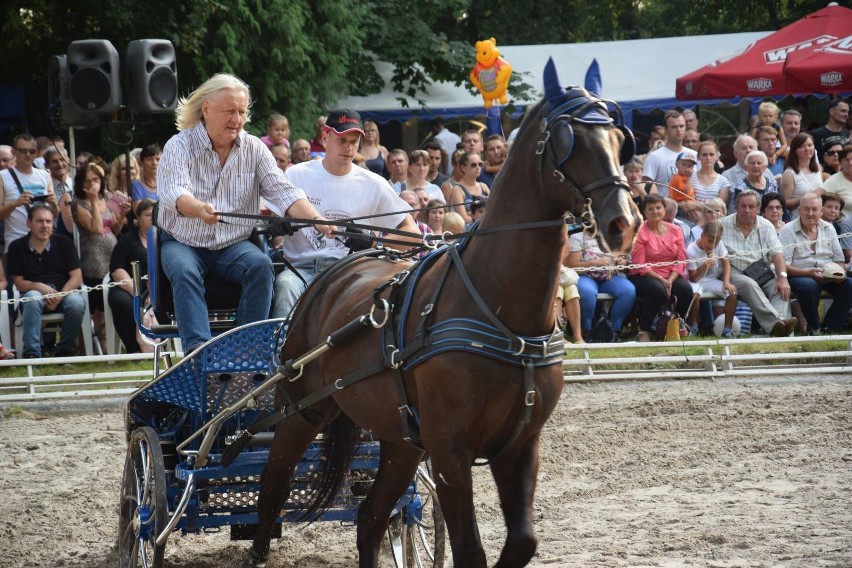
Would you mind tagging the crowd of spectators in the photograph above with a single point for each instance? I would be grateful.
(783, 199)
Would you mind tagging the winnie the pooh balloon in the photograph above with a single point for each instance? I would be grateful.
(491, 73)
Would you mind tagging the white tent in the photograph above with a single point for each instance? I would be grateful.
(638, 74)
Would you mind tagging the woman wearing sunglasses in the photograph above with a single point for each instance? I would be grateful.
(463, 191)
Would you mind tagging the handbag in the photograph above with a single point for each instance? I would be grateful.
(670, 326)
(568, 276)
(588, 253)
(759, 270)
(602, 330)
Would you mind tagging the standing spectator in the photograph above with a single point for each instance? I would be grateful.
(680, 186)
(277, 131)
(434, 174)
(806, 261)
(42, 263)
(131, 247)
(750, 238)
(117, 181)
(767, 142)
(831, 156)
(99, 228)
(472, 142)
(146, 186)
(638, 186)
(803, 174)
(20, 186)
(584, 252)
(56, 160)
(495, 156)
(769, 114)
(398, 169)
(4, 353)
(82, 159)
(281, 153)
(706, 182)
(301, 151)
(42, 144)
(690, 119)
(456, 177)
(375, 155)
(841, 182)
(791, 123)
(838, 114)
(448, 140)
(773, 210)
(660, 163)
(691, 139)
(659, 242)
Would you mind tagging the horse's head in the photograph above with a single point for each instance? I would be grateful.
(581, 148)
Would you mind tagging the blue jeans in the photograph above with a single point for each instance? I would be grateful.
(808, 292)
(618, 287)
(186, 268)
(288, 285)
(71, 307)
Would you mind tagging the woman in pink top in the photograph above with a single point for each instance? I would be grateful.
(658, 241)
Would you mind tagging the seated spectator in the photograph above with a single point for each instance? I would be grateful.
(639, 188)
(453, 223)
(567, 304)
(583, 253)
(281, 153)
(773, 210)
(711, 211)
(411, 198)
(146, 185)
(133, 246)
(41, 263)
(832, 211)
(710, 272)
(301, 151)
(755, 178)
(659, 241)
(807, 262)
(831, 149)
(750, 238)
(706, 182)
(671, 217)
(317, 143)
(4, 353)
(840, 183)
(803, 174)
(418, 167)
(434, 215)
(117, 184)
(477, 208)
(277, 131)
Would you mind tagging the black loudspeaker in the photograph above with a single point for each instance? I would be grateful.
(60, 113)
(151, 76)
(94, 78)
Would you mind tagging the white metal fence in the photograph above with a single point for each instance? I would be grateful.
(583, 363)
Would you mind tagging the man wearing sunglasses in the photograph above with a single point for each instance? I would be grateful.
(21, 186)
(841, 182)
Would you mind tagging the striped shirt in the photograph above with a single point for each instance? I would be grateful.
(762, 237)
(190, 166)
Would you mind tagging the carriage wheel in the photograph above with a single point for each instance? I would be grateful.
(420, 543)
(143, 512)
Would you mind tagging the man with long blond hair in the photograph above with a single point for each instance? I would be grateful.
(213, 166)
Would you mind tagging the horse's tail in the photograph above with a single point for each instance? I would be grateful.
(340, 440)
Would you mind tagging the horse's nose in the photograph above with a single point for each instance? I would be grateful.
(619, 223)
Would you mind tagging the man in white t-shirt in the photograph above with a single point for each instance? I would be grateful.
(20, 186)
(339, 191)
(660, 164)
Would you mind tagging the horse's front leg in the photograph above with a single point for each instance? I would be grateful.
(515, 477)
(397, 466)
(451, 464)
(292, 438)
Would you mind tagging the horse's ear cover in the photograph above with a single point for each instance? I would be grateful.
(553, 92)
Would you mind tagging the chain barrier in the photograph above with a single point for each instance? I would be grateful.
(63, 293)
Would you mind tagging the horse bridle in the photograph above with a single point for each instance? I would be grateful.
(557, 137)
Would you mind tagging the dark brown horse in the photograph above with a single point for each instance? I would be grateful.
(470, 406)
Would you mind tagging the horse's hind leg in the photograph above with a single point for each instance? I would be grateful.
(396, 471)
(515, 476)
(292, 438)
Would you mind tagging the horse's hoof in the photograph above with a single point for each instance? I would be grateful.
(255, 560)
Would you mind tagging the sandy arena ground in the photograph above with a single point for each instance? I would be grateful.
(699, 473)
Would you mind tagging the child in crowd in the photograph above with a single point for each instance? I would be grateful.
(710, 271)
(453, 223)
(680, 186)
(768, 114)
(277, 131)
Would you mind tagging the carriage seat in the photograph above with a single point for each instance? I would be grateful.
(222, 297)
